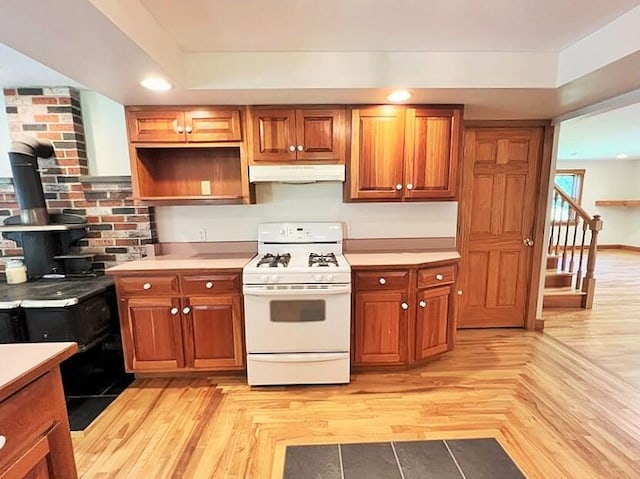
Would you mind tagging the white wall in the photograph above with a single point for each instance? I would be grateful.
(315, 202)
(5, 168)
(106, 135)
(611, 180)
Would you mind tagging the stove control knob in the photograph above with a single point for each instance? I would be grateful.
(318, 278)
(329, 278)
(264, 279)
(146, 286)
(275, 278)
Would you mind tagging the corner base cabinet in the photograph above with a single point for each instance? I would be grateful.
(402, 316)
(176, 322)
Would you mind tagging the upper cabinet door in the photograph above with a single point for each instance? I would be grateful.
(377, 153)
(213, 125)
(156, 125)
(274, 137)
(432, 148)
(320, 135)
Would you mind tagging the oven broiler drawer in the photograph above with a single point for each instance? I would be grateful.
(381, 280)
(298, 368)
(210, 283)
(151, 285)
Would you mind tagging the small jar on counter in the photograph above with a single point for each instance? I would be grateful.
(15, 271)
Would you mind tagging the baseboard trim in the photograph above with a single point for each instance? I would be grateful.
(625, 247)
(539, 326)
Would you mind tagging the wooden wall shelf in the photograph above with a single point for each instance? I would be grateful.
(623, 203)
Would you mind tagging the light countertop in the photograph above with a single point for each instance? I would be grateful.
(179, 262)
(23, 362)
(400, 258)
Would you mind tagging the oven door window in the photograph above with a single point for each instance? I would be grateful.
(297, 311)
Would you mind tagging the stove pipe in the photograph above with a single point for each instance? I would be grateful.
(23, 156)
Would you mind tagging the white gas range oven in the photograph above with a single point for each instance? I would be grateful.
(297, 306)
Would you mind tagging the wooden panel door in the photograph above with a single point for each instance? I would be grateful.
(274, 135)
(156, 126)
(497, 207)
(320, 135)
(432, 146)
(432, 322)
(213, 329)
(154, 337)
(213, 125)
(380, 328)
(377, 153)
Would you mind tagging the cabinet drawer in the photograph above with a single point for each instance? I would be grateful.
(26, 416)
(211, 283)
(151, 285)
(381, 280)
(436, 276)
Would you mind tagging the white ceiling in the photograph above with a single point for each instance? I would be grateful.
(516, 59)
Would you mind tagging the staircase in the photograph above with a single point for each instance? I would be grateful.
(571, 255)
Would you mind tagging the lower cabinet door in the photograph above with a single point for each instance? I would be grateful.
(213, 332)
(432, 312)
(153, 341)
(381, 320)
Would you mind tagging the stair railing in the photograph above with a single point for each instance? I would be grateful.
(574, 240)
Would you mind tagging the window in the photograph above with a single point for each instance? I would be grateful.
(570, 182)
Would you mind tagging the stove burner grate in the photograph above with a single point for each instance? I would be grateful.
(316, 259)
(273, 261)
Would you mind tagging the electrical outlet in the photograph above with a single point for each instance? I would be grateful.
(202, 234)
(205, 187)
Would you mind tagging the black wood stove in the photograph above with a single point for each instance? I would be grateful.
(63, 299)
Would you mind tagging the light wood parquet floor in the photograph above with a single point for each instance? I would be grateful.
(608, 334)
(556, 413)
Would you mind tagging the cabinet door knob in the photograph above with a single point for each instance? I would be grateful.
(410, 186)
(423, 304)
(292, 148)
(382, 281)
(404, 306)
(300, 148)
(398, 187)
(174, 311)
(439, 277)
(146, 286)
(3, 441)
(208, 284)
(180, 129)
(188, 129)
(186, 310)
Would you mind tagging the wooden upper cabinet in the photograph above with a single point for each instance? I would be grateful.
(377, 153)
(303, 134)
(432, 146)
(404, 154)
(183, 125)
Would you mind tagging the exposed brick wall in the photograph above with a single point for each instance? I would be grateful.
(117, 229)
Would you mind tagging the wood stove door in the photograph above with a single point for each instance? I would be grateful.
(152, 334)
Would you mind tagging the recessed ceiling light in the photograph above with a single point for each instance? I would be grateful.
(622, 156)
(399, 95)
(156, 84)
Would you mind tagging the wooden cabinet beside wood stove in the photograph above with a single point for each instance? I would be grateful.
(402, 315)
(181, 322)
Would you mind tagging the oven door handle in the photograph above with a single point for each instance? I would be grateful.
(340, 289)
(297, 357)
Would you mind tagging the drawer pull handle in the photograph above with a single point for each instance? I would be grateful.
(174, 311)
(186, 310)
(3, 441)
(382, 281)
(404, 306)
(208, 285)
(439, 277)
(146, 286)
(423, 304)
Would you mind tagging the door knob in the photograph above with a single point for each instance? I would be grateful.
(292, 148)
(527, 242)
(398, 187)
(300, 148)
(180, 129)
(174, 311)
(186, 310)
(404, 306)
(423, 304)
(410, 186)
(188, 129)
